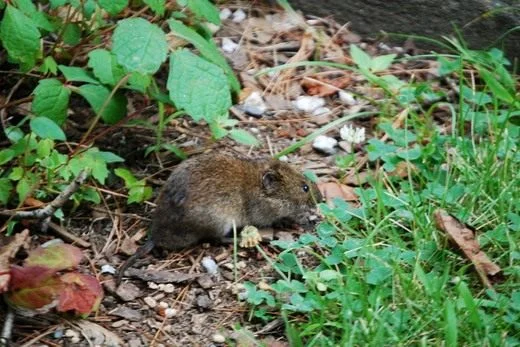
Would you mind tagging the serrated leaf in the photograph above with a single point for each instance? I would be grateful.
(58, 257)
(139, 82)
(5, 190)
(139, 193)
(361, 59)
(198, 86)
(46, 128)
(72, 34)
(90, 160)
(20, 37)
(207, 49)
(105, 67)
(113, 6)
(156, 5)
(49, 66)
(81, 293)
(205, 9)
(51, 100)
(139, 45)
(96, 96)
(243, 137)
(382, 62)
(108, 157)
(76, 74)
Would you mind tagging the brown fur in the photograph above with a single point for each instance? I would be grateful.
(205, 194)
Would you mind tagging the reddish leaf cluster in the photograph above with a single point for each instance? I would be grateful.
(40, 284)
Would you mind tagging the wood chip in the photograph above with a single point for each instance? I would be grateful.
(464, 238)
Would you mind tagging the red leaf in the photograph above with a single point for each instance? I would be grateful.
(81, 294)
(60, 256)
(33, 287)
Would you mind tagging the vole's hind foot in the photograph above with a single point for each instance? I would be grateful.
(250, 237)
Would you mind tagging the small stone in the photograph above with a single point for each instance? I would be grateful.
(70, 333)
(150, 302)
(163, 305)
(218, 338)
(308, 103)
(204, 302)
(347, 98)
(128, 291)
(209, 265)
(119, 323)
(284, 158)
(228, 45)
(212, 27)
(153, 285)
(170, 312)
(225, 13)
(75, 340)
(205, 281)
(320, 111)
(108, 269)
(127, 313)
(159, 296)
(254, 104)
(168, 288)
(238, 16)
(325, 144)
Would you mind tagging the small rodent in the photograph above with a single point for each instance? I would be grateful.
(205, 194)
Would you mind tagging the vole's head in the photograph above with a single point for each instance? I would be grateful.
(288, 189)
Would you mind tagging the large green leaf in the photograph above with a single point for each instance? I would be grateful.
(51, 99)
(139, 45)
(198, 86)
(96, 96)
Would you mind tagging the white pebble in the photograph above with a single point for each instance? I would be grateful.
(347, 98)
(150, 302)
(254, 104)
(209, 265)
(225, 13)
(308, 103)
(153, 285)
(284, 158)
(325, 144)
(218, 338)
(108, 269)
(212, 27)
(238, 16)
(168, 288)
(228, 45)
(170, 312)
(320, 111)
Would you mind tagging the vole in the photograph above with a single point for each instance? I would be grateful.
(205, 194)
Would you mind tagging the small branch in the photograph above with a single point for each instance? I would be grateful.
(7, 330)
(58, 202)
(68, 236)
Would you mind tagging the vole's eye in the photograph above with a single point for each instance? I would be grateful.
(305, 188)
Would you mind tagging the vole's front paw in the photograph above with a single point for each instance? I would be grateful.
(250, 237)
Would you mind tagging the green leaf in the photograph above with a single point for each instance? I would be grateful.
(175, 150)
(198, 86)
(92, 160)
(58, 257)
(243, 137)
(139, 82)
(5, 190)
(139, 45)
(108, 157)
(49, 66)
(139, 193)
(105, 66)
(6, 155)
(126, 175)
(25, 185)
(76, 74)
(113, 6)
(44, 149)
(361, 59)
(51, 100)
(205, 9)
(378, 275)
(156, 5)
(207, 49)
(57, 3)
(46, 128)
(72, 34)
(496, 87)
(382, 62)
(450, 323)
(20, 37)
(96, 96)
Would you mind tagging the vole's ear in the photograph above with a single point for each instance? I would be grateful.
(271, 181)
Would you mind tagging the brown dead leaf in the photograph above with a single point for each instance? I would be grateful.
(6, 253)
(32, 202)
(464, 238)
(324, 85)
(331, 190)
(402, 168)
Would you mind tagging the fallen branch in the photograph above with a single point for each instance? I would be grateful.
(50, 208)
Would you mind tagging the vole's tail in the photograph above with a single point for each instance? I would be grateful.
(141, 252)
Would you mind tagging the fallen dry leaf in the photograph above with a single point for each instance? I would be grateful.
(6, 253)
(331, 190)
(464, 237)
(324, 85)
